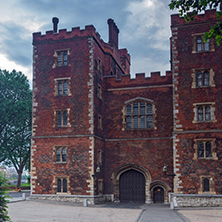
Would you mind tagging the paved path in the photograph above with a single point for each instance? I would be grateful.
(161, 213)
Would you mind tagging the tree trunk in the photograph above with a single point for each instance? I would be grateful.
(19, 179)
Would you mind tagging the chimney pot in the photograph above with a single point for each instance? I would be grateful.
(55, 22)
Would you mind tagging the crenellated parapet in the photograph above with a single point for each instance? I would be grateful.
(209, 15)
(155, 78)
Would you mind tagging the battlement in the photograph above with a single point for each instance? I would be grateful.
(155, 78)
(64, 34)
(209, 15)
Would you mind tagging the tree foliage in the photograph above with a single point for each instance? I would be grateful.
(3, 202)
(190, 8)
(15, 120)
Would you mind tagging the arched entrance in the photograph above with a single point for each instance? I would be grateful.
(132, 186)
(158, 195)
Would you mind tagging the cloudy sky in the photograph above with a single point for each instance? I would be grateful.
(144, 28)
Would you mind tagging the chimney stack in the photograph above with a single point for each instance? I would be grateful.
(113, 33)
(55, 22)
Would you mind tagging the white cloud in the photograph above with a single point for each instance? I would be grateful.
(10, 65)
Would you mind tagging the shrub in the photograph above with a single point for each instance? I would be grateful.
(3, 202)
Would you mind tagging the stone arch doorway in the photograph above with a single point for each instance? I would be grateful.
(159, 191)
(132, 186)
(126, 168)
(158, 195)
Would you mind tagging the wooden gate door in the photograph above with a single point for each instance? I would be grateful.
(158, 195)
(132, 186)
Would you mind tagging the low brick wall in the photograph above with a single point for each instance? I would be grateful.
(194, 200)
(74, 198)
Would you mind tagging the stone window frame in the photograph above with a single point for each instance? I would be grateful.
(211, 185)
(56, 112)
(139, 99)
(56, 88)
(99, 91)
(55, 148)
(99, 157)
(213, 149)
(56, 57)
(99, 64)
(62, 184)
(202, 70)
(100, 186)
(194, 39)
(204, 105)
(100, 122)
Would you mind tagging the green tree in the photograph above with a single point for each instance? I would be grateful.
(15, 120)
(3, 202)
(190, 8)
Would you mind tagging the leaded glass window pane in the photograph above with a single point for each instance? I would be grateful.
(208, 149)
(207, 113)
(206, 78)
(59, 185)
(65, 118)
(207, 45)
(142, 108)
(201, 149)
(65, 58)
(135, 122)
(64, 155)
(128, 110)
(149, 109)
(142, 122)
(59, 120)
(135, 108)
(60, 88)
(59, 58)
(149, 122)
(64, 185)
(199, 78)
(200, 113)
(206, 185)
(199, 44)
(58, 155)
(128, 122)
(65, 87)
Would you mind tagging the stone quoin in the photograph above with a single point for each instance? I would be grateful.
(100, 135)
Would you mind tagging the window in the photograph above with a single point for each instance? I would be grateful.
(205, 149)
(100, 122)
(62, 87)
(206, 185)
(61, 58)
(199, 45)
(99, 93)
(62, 118)
(139, 115)
(99, 65)
(204, 112)
(61, 154)
(202, 78)
(61, 185)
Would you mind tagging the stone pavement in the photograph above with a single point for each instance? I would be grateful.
(51, 211)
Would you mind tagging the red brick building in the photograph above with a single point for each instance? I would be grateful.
(100, 135)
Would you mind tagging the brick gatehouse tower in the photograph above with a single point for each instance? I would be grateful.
(102, 136)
